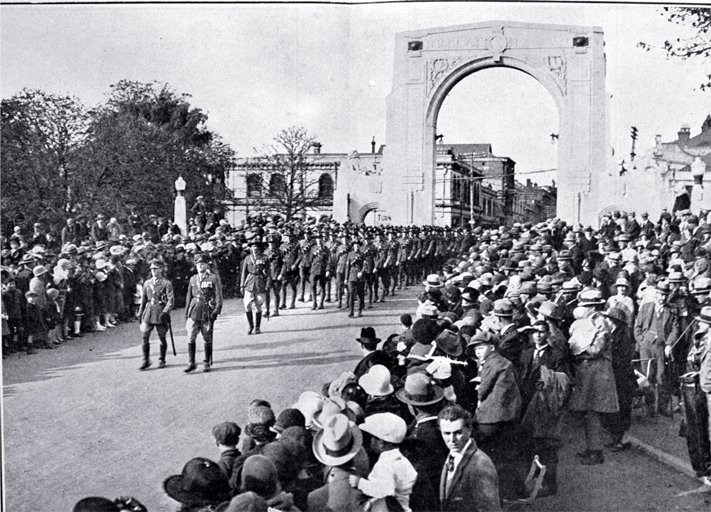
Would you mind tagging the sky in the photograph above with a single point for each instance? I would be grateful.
(257, 69)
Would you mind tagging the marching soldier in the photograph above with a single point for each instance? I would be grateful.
(370, 269)
(320, 270)
(391, 266)
(290, 272)
(275, 259)
(157, 300)
(254, 284)
(356, 279)
(305, 262)
(341, 258)
(203, 306)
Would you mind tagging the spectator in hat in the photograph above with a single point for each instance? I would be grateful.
(469, 480)
(656, 328)
(201, 484)
(204, 305)
(339, 447)
(226, 436)
(377, 383)
(497, 412)
(157, 301)
(594, 393)
(392, 476)
(545, 388)
(369, 350)
(99, 232)
(426, 449)
(647, 226)
(623, 301)
(99, 504)
(511, 342)
(260, 475)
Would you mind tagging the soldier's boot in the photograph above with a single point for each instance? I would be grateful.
(250, 321)
(146, 357)
(258, 323)
(207, 363)
(276, 311)
(191, 358)
(161, 361)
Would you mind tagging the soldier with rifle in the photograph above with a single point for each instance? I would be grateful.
(157, 300)
(203, 306)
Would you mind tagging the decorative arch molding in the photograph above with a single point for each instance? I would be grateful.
(364, 210)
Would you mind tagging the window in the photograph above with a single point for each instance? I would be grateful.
(325, 187)
(277, 185)
(254, 185)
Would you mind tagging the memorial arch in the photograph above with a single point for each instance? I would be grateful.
(568, 61)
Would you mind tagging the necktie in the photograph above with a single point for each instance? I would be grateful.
(450, 463)
(536, 356)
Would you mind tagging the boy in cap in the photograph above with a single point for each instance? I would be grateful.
(226, 438)
(157, 301)
(392, 475)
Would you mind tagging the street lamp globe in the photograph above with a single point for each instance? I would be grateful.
(180, 185)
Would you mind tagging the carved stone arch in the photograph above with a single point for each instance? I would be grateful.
(365, 210)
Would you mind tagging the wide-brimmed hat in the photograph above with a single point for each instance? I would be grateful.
(427, 310)
(591, 297)
(550, 309)
(367, 335)
(663, 287)
(701, 285)
(503, 307)
(338, 442)
(386, 426)
(449, 343)
(676, 277)
(705, 315)
(621, 281)
(202, 482)
(419, 390)
(331, 405)
(29, 258)
(376, 382)
(433, 281)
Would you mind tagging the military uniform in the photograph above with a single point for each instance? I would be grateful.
(320, 270)
(356, 280)
(290, 273)
(340, 262)
(304, 265)
(371, 271)
(157, 301)
(275, 272)
(204, 304)
(254, 286)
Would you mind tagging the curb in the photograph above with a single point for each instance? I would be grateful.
(665, 458)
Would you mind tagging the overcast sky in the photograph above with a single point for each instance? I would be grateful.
(256, 69)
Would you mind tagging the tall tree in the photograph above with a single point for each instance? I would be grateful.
(141, 140)
(40, 139)
(285, 177)
(698, 45)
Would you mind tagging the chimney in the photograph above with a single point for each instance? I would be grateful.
(372, 145)
(528, 183)
(317, 148)
(684, 134)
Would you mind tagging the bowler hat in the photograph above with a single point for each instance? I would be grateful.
(367, 335)
(419, 391)
(338, 442)
(202, 482)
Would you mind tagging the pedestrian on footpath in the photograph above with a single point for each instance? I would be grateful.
(157, 301)
(254, 284)
(203, 306)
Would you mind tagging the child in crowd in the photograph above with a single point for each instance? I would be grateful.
(226, 438)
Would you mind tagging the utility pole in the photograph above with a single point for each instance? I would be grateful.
(633, 134)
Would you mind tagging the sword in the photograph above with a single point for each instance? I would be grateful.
(170, 330)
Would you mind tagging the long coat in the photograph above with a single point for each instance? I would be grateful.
(595, 388)
(474, 486)
(498, 391)
(649, 329)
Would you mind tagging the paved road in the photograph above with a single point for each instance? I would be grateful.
(82, 420)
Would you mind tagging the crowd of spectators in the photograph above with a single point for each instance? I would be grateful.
(525, 325)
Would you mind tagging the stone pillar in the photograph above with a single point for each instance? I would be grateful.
(700, 198)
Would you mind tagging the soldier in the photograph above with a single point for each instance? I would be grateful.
(157, 301)
(254, 284)
(332, 245)
(391, 266)
(203, 306)
(356, 279)
(341, 258)
(320, 271)
(305, 262)
(275, 259)
(370, 269)
(290, 273)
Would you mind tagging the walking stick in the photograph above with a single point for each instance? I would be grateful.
(683, 333)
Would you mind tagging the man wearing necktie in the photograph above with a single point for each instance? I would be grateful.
(157, 300)
(656, 329)
(469, 481)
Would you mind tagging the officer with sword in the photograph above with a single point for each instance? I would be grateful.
(203, 306)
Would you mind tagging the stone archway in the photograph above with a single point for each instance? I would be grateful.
(568, 61)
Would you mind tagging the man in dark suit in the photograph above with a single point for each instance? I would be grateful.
(511, 342)
(656, 329)
(371, 354)
(469, 481)
(647, 226)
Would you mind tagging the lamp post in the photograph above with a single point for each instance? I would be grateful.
(180, 213)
